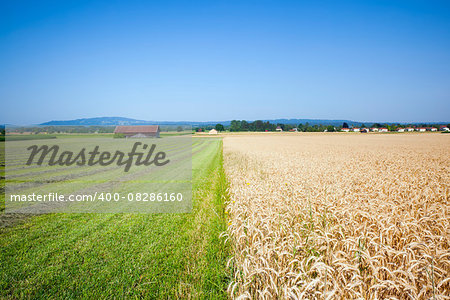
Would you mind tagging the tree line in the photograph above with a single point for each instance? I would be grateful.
(261, 126)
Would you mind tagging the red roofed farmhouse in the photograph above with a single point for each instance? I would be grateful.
(139, 131)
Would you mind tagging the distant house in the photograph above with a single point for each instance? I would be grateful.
(383, 130)
(212, 131)
(409, 129)
(279, 128)
(345, 129)
(374, 129)
(444, 128)
(293, 129)
(421, 129)
(433, 129)
(140, 131)
(364, 130)
(355, 129)
(401, 130)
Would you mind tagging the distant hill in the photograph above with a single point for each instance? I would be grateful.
(113, 121)
(104, 121)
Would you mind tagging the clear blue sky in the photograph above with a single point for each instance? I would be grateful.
(222, 60)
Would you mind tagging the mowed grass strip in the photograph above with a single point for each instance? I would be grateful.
(124, 255)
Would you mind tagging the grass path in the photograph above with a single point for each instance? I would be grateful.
(124, 255)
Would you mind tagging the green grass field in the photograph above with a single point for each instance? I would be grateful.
(124, 255)
(27, 137)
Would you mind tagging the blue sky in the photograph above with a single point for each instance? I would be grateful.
(222, 60)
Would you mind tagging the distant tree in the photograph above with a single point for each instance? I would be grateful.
(288, 127)
(300, 127)
(308, 128)
(269, 127)
(345, 125)
(330, 128)
(179, 128)
(258, 125)
(219, 127)
(377, 125)
(245, 126)
(391, 127)
(235, 125)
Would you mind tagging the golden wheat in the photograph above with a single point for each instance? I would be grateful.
(335, 216)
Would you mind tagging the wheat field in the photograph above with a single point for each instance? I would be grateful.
(339, 216)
